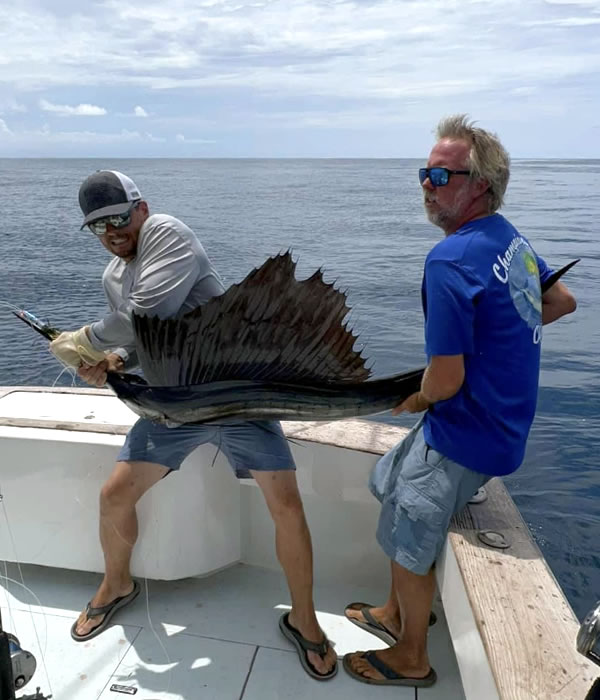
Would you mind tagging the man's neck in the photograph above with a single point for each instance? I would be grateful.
(465, 220)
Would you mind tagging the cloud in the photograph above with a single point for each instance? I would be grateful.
(180, 138)
(4, 129)
(589, 3)
(524, 91)
(81, 110)
(566, 22)
(11, 105)
(380, 49)
(222, 67)
(46, 135)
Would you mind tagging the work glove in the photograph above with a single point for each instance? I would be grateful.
(74, 347)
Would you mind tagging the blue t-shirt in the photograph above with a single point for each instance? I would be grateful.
(482, 299)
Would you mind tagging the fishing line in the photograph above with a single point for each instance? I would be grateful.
(7, 591)
(10, 306)
(71, 371)
(23, 585)
(146, 588)
(162, 646)
(38, 601)
(258, 424)
(218, 450)
(147, 596)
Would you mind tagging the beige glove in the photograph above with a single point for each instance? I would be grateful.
(74, 347)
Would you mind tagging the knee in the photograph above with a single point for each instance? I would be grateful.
(116, 493)
(287, 507)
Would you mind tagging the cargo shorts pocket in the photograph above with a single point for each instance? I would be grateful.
(432, 457)
(427, 520)
(384, 474)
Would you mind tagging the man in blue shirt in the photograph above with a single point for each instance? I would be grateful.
(484, 312)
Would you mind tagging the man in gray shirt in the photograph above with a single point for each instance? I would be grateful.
(161, 269)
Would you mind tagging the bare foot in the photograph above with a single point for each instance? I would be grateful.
(391, 623)
(313, 633)
(396, 658)
(104, 596)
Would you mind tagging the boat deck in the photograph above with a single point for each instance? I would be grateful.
(214, 637)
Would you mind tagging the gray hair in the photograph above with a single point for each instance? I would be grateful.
(488, 159)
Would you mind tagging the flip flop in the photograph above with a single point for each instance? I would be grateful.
(303, 645)
(107, 610)
(390, 676)
(373, 626)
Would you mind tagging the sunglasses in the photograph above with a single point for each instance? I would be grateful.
(100, 226)
(439, 176)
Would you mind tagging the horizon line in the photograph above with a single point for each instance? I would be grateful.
(110, 157)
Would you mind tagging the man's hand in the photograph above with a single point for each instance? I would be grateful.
(96, 374)
(415, 403)
(74, 347)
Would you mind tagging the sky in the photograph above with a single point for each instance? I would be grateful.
(295, 78)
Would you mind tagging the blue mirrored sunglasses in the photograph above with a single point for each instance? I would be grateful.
(99, 227)
(439, 176)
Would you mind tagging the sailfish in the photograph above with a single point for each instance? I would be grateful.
(270, 347)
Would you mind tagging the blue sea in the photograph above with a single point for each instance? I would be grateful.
(362, 221)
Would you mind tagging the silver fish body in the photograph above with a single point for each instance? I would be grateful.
(264, 400)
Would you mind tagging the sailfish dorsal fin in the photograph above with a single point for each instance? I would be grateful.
(268, 327)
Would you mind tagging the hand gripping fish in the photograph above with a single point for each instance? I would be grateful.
(270, 347)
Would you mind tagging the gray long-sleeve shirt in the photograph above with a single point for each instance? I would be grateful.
(170, 275)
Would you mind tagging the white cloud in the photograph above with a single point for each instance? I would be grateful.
(4, 129)
(524, 91)
(11, 105)
(566, 22)
(180, 138)
(381, 49)
(81, 110)
(215, 66)
(45, 135)
(588, 3)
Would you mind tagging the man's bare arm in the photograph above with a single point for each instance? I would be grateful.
(556, 302)
(443, 378)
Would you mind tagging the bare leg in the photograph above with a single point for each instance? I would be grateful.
(409, 656)
(388, 614)
(119, 530)
(294, 551)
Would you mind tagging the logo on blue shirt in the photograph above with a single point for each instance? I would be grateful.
(518, 268)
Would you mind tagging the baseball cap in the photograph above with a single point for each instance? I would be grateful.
(106, 193)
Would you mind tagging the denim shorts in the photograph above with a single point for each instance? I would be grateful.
(248, 445)
(419, 490)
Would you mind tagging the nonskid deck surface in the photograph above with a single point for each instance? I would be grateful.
(215, 637)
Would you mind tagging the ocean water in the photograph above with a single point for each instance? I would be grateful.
(362, 221)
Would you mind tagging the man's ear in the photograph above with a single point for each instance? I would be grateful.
(481, 186)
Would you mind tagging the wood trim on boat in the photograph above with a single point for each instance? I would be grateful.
(526, 624)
